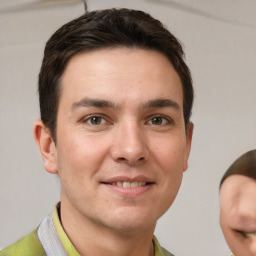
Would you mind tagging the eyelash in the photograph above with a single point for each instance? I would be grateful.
(167, 119)
(88, 118)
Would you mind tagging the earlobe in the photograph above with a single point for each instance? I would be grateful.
(46, 146)
(188, 144)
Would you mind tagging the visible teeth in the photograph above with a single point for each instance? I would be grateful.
(134, 184)
(250, 235)
(127, 184)
(119, 183)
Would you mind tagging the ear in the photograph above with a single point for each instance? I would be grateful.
(46, 146)
(188, 144)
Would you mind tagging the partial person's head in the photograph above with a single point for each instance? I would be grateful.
(115, 100)
(238, 205)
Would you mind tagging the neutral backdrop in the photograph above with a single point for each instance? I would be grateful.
(219, 39)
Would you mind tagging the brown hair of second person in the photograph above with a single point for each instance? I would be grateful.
(97, 30)
(244, 165)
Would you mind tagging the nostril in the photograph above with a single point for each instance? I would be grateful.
(122, 159)
(131, 161)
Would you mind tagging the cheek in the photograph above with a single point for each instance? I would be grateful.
(80, 156)
(235, 241)
(237, 245)
(224, 223)
(170, 153)
(253, 246)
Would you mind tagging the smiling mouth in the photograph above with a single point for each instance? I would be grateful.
(127, 184)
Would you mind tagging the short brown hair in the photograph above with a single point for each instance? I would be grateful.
(108, 28)
(244, 165)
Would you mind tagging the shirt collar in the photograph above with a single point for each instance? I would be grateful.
(61, 233)
(69, 246)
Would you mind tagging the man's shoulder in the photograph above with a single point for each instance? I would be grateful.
(165, 252)
(159, 250)
(27, 246)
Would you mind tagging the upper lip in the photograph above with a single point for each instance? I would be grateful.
(128, 179)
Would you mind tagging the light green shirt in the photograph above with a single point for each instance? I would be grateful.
(33, 244)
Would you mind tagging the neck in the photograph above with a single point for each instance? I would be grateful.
(91, 238)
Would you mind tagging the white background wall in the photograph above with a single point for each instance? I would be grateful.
(220, 44)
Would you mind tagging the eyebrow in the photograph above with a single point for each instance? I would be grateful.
(99, 103)
(162, 103)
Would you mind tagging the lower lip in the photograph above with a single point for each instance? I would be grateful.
(129, 192)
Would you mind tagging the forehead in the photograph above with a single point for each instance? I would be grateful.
(236, 186)
(122, 72)
(237, 182)
(238, 195)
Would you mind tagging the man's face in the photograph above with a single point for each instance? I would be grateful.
(238, 214)
(121, 142)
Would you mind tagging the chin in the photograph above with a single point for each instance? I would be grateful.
(132, 222)
(132, 227)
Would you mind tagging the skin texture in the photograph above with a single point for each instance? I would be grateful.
(238, 214)
(120, 117)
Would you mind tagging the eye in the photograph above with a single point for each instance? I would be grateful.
(159, 120)
(95, 120)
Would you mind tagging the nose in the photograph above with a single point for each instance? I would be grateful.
(129, 144)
